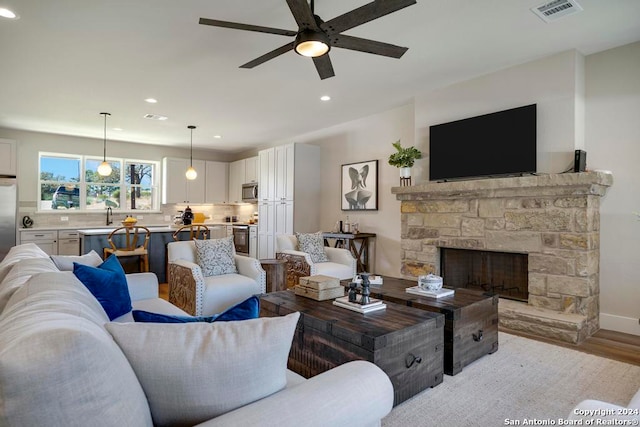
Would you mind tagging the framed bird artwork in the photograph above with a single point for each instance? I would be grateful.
(360, 186)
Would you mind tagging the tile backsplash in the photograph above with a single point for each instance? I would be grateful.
(71, 219)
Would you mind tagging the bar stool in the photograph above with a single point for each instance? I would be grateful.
(195, 232)
(133, 235)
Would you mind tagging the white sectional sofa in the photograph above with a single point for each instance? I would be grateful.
(61, 366)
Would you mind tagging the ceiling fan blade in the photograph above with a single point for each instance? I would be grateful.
(246, 27)
(324, 67)
(267, 56)
(369, 46)
(364, 14)
(301, 11)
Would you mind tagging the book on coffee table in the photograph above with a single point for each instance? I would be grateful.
(442, 292)
(374, 305)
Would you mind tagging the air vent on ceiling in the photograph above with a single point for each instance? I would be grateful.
(155, 117)
(556, 9)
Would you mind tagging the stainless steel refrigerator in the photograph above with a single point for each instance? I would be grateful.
(8, 213)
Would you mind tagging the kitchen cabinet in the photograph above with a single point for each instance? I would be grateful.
(54, 242)
(267, 182)
(289, 194)
(236, 179)
(46, 240)
(241, 172)
(251, 168)
(176, 188)
(69, 242)
(8, 157)
(216, 182)
(217, 231)
(266, 235)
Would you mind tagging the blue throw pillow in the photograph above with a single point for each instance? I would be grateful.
(247, 309)
(108, 284)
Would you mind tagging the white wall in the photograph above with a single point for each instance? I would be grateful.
(553, 83)
(30, 143)
(613, 143)
(357, 141)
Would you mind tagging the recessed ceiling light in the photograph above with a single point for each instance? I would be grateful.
(325, 98)
(151, 100)
(118, 129)
(6, 13)
(155, 117)
(217, 136)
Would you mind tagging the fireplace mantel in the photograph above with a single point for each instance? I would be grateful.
(555, 219)
(584, 183)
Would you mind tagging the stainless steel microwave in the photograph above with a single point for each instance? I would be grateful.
(250, 192)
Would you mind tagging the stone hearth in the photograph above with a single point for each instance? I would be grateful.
(555, 219)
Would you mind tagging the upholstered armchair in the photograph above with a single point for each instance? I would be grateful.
(341, 263)
(201, 295)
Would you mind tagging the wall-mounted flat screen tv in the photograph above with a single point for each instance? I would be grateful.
(496, 144)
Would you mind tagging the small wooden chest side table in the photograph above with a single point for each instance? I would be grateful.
(471, 319)
(276, 274)
(405, 342)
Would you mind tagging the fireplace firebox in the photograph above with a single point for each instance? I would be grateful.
(501, 273)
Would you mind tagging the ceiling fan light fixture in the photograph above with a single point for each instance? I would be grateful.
(312, 44)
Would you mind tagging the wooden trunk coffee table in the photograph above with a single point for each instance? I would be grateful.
(471, 319)
(406, 343)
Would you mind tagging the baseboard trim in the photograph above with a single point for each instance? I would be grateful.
(627, 325)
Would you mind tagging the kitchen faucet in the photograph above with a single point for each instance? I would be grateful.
(109, 215)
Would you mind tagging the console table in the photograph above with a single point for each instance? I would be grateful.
(347, 241)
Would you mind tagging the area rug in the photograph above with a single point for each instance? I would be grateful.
(524, 380)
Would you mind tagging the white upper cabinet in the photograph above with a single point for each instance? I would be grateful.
(216, 186)
(267, 181)
(243, 171)
(236, 179)
(285, 163)
(251, 168)
(8, 158)
(176, 188)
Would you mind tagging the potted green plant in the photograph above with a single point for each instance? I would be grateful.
(404, 158)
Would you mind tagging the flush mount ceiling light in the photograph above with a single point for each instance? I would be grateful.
(6, 13)
(105, 168)
(325, 98)
(191, 173)
(151, 100)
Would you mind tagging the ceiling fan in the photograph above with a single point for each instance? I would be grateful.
(316, 37)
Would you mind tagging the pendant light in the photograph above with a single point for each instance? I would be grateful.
(191, 173)
(105, 168)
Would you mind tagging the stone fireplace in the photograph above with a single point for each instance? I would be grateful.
(553, 219)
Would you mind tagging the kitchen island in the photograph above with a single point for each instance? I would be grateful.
(97, 239)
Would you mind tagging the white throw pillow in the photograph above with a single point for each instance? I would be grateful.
(65, 262)
(20, 274)
(18, 253)
(193, 372)
(313, 244)
(216, 256)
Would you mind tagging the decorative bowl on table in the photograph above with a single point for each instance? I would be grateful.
(430, 282)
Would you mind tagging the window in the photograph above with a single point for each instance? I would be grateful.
(72, 183)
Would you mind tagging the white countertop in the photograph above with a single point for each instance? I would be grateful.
(104, 229)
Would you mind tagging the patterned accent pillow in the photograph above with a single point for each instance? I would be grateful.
(216, 256)
(313, 244)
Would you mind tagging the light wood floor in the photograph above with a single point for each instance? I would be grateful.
(609, 344)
